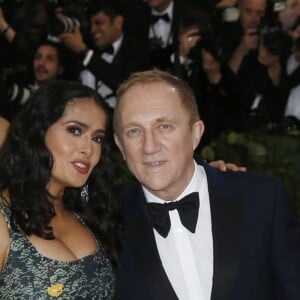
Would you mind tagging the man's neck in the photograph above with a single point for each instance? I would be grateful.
(160, 8)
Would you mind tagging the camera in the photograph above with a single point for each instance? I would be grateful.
(275, 6)
(225, 14)
(63, 25)
(270, 30)
(13, 92)
(273, 38)
(204, 25)
(209, 41)
(19, 94)
(75, 14)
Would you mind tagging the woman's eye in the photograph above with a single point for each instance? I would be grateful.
(98, 139)
(74, 130)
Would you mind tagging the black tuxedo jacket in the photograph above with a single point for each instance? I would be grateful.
(256, 241)
(132, 56)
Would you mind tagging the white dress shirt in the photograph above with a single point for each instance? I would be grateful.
(292, 64)
(293, 103)
(89, 79)
(162, 29)
(188, 257)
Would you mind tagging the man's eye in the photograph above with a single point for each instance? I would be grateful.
(133, 131)
(74, 130)
(164, 126)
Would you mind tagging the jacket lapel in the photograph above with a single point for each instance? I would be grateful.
(142, 241)
(227, 213)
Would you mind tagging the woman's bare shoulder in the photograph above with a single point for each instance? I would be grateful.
(4, 124)
(4, 235)
(4, 241)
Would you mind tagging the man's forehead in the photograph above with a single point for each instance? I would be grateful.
(253, 3)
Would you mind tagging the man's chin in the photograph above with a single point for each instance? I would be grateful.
(41, 81)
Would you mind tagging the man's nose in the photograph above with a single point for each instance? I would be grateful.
(151, 143)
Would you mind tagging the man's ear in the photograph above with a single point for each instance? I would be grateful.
(197, 132)
(119, 145)
(118, 22)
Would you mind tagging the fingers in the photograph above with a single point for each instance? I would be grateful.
(235, 168)
(224, 167)
(219, 164)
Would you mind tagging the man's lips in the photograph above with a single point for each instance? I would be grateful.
(41, 71)
(97, 36)
(82, 167)
(156, 163)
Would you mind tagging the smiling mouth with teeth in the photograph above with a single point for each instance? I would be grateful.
(81, 167)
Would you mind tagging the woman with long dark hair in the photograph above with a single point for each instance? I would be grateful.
(58, 216)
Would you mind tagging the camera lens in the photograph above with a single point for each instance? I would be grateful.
(63, 25)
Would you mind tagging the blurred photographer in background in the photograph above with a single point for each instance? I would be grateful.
(23, 25)
(47, 65)
(113, 54)
(199, 60)
(290, 20)
(268, 97)
(290, 16)
(241, 36)
(293, 69)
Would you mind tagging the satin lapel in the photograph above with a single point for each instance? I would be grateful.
(142, 240)
(227, 214)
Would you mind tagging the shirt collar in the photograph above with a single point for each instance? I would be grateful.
(117, 44)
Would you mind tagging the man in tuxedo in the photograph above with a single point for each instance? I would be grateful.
(114, 55)
(155, 23)
(192, 232)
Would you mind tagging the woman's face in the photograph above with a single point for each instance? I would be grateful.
(265, 57)
(75, 143)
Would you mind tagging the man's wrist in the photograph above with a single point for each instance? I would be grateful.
(214, 78)
(82, 53)
(5, 29)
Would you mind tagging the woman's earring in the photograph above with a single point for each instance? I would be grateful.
(85, 193)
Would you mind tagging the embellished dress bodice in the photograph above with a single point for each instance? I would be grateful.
(30, 275)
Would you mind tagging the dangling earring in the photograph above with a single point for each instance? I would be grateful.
(85, 193)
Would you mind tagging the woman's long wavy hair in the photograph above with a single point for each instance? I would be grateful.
(26, 166)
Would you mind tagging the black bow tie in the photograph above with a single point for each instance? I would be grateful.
(155, 18)
(107, 49)
(187, 207)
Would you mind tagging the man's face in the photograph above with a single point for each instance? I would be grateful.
(156, 138)
(289, 16)
(46, 64)
(251, 13)
(105, 31)
(159, 5)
